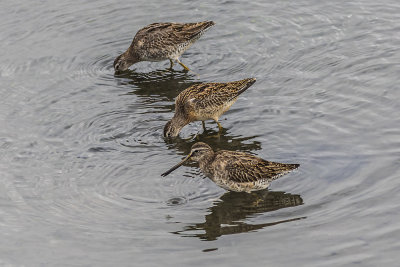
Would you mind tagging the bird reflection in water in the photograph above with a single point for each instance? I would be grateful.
(224, 140)
(229, 213)
(157, 85)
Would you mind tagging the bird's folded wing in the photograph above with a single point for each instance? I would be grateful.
(252, 169)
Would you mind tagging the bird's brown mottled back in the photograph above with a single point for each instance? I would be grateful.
(236, 171)
(242, 167)
(205, 101)
(161, 41)
(213, 95)
(165, 40)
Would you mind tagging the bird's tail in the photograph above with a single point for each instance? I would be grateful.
(197, 29)
(243, 85)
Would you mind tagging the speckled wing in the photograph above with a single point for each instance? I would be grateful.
(243, 167)
(167, 36)
(212, 95)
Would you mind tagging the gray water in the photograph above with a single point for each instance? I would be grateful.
(81, 149)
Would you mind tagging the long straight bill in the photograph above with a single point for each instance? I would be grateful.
(176, 166)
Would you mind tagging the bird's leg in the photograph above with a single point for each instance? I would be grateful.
(187, 69)
(257, 200)
(219, 127)
(204, 125)
(183, 65)
(220, 130)
(171, 63)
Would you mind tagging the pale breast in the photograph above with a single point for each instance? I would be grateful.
(160, 52)
(227, 106)
(211, 112)
(242, 187)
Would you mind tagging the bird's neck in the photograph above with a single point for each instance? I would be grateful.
(180, 120)
(131, 56)
(205, 162)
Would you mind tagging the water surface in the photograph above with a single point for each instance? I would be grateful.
(81, 149)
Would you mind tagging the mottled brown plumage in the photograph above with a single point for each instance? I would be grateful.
(161, 41)
(204, 101)
(235, 171)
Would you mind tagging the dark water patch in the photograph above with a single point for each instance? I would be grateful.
(227, 215)
(81, 148)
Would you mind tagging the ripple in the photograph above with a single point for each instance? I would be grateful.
(176, 201)
(100, 67)
(82, 148)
